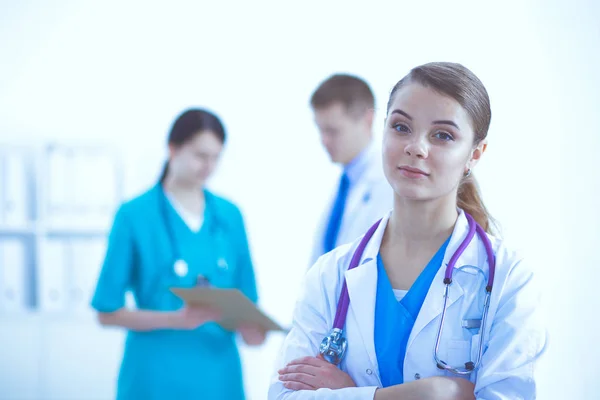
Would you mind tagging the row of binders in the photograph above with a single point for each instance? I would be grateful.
(56, 204)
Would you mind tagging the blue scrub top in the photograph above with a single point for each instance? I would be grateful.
(394, 320)
(175, 364)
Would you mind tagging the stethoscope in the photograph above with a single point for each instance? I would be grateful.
(180, 266)
(333, 347)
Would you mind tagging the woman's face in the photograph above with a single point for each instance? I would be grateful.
(194, 161)
(428, 144)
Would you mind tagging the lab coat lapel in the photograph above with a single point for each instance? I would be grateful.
(362, 290)
(434, 301)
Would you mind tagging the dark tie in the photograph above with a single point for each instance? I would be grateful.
(335, 220)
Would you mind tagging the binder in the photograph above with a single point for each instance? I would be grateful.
(84, 267)
(52, 270)
(16, 204)
(13, 275)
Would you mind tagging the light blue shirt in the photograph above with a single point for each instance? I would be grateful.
(350, 176)
(358, 166)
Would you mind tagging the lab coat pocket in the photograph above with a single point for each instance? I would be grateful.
(458, 352)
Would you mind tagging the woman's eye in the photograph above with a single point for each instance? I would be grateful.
(401, 128)
(446, 137)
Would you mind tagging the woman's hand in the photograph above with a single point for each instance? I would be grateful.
(192, 317)
(252, 334)
(433, 388)
(312, 373)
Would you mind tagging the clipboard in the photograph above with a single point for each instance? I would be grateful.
(236, 308)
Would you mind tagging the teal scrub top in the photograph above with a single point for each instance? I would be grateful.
(394, 320)
(175, 364)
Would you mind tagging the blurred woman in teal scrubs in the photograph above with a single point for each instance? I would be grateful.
(178, 234)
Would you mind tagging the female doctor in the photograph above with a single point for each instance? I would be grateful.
(178, 234)
(427, 262)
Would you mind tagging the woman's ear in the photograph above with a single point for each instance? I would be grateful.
(476, 154)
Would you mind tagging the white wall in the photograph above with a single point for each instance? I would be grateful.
(118, 73)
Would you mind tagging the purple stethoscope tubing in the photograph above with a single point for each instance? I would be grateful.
(334, 346)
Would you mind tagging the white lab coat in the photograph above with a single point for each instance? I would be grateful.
(369, 198)
(514, 336)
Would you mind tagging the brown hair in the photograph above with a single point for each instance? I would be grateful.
(456, 81)
(188, 124)
(354, 94)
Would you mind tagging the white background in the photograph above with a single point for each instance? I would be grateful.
(117, 73)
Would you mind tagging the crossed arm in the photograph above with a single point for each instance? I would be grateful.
(516, 341)
(312, 373)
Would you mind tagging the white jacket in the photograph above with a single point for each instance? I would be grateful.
(514, 336)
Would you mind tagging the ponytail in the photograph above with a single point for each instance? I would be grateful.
(164, 172)
(469, 200)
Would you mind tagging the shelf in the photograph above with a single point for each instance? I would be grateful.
(91, 232)
(49, 317)
(75, 232)
(7, 230)
(25, 314)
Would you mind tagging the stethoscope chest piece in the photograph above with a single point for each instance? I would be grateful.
(222, 264)
(181, 268)
(333, 347)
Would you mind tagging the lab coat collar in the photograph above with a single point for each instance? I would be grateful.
(362, 286)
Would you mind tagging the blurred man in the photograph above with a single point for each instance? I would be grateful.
(344, 107)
